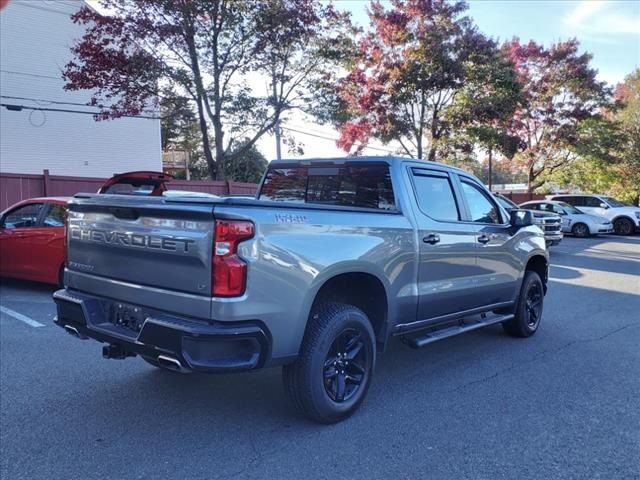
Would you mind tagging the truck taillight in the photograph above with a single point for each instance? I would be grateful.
(229, 276)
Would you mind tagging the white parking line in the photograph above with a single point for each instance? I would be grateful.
(21, 317)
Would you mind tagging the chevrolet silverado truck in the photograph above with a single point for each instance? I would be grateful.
(330, 261)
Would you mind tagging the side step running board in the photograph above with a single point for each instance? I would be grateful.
(420, 340)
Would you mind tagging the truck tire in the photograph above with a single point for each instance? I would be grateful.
(528, 311)
(331, 377)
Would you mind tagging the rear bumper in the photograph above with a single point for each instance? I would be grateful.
(197, 345)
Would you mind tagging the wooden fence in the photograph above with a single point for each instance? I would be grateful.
(521, 197)
(18, 186)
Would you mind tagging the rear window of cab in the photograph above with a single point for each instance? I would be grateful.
(363, 186)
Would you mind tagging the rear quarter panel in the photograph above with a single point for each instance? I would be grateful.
(295, 251)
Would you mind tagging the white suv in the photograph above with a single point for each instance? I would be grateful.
(625, 218)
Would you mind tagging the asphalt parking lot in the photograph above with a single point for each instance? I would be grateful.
(562, 404)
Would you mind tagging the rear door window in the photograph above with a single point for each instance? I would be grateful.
(364, 186)
(435, 196)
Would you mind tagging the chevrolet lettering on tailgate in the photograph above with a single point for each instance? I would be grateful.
(126, 239)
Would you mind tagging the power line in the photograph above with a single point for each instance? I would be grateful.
(17, 108)
(36, 75)
(45, 9)
(334, 139)
(59, 102)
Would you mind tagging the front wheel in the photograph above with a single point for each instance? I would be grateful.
(332, 374)
(623, 226)
(529, 308)
(580, 230)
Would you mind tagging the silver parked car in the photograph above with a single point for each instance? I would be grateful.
(550, 223)
(574, 221)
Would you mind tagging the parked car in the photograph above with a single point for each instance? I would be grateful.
(574, 221)
(334, 258)
(32, 231)
(625, 218)
(550, 223)
(32, 240)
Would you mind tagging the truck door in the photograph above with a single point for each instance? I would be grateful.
(17, 230)
(447, 260)
(498, 263)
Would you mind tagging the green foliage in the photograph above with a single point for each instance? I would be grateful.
(607, 150)
(248, 166)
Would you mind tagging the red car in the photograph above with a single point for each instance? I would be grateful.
(32, 231)
(32, 240)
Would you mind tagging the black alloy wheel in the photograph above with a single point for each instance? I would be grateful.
(345, 366)
(533, 305)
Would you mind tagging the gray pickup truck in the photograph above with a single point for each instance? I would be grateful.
(332, 259)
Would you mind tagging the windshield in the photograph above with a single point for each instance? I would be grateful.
(569, 208)
(614, 203)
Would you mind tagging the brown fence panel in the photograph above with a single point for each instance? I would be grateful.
(15, 187)
(207, 186)
(68, 186)
(241, 188)
(521, 197)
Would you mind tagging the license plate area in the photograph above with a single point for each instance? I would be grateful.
(127, 316)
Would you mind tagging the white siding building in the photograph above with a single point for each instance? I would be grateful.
(35, 37)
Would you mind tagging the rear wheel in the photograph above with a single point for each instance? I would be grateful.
(580, 230)
(623, 226)
(332, 374)
(528, 311)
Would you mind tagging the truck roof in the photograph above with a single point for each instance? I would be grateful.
(388, 159)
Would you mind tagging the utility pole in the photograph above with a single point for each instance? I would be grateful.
(490, 168)
(276, 126)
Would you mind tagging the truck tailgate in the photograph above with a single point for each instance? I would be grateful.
(146, 241)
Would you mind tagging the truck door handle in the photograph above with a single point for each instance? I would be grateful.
(431, 239)
(483, 239)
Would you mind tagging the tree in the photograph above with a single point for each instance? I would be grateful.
(179, 127)
(217, 53)
(628, 96)
(423, 70)
(249, 167)
(608, 150)
(560, 92)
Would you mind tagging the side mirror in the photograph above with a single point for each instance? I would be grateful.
(604, 205)
(521, 218)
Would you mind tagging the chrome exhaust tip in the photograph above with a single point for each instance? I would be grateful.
(74, 332)
(170, 363)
